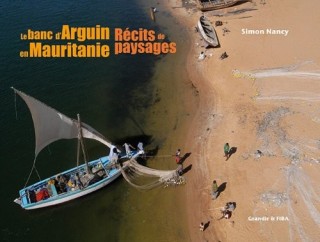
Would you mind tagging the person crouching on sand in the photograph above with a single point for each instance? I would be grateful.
(227, 210)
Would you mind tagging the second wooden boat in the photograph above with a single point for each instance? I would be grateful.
(207, 32)
(207, 5)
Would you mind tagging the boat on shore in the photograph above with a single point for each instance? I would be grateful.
(152, 13)
(208, 32)
(207, 5)
(51, 125)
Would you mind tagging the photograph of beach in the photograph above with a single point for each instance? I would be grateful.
(222, 94)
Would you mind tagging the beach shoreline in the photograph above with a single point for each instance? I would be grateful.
(257, 100)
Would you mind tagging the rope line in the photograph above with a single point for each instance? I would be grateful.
(33, 166)
(15, 104)
(160, 156)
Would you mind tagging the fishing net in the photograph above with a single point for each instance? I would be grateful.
(145, 178)
(301, 195)
(274, 198)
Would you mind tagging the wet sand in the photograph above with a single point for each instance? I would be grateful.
(264, 97)
(160, 214)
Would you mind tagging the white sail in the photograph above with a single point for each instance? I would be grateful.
(50, 125)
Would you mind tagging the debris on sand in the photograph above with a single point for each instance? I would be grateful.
(224, 55)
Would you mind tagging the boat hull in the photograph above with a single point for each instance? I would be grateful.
(207, 32)
(112, 173)
(215, 5)
(76, 194)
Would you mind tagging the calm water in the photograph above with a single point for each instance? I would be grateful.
(111, 94)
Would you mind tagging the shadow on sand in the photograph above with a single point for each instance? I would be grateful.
(232, 151)
(186, 155)
(221, 188)
(206, 225)
(188, 168)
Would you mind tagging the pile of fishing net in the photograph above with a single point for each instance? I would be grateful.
(145, 178)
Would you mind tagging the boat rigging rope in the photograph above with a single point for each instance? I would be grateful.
(15, 105)
(37, 173)
(33, 167)
(158, 156)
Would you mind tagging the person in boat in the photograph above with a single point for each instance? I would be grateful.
(113, 156)
(52, 181)
(141, 150)
(128, 148)
(56, 184)
(71, 185)
(140, 146)
(78, 182)
(61, 182)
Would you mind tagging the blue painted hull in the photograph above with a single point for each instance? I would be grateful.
(29, 198)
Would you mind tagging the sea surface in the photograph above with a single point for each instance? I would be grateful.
(113, 95)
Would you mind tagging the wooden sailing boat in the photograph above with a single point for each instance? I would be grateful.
(51, 125)
(207, 31)
(207, 5)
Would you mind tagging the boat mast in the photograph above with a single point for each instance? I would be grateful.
(80, 140)
(78, 151)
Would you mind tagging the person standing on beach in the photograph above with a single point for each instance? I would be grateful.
(180, 169)
(201, 226)
(214, 192)
(177, 156)
(226, 150)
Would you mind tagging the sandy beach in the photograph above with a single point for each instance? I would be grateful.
(263, 100)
